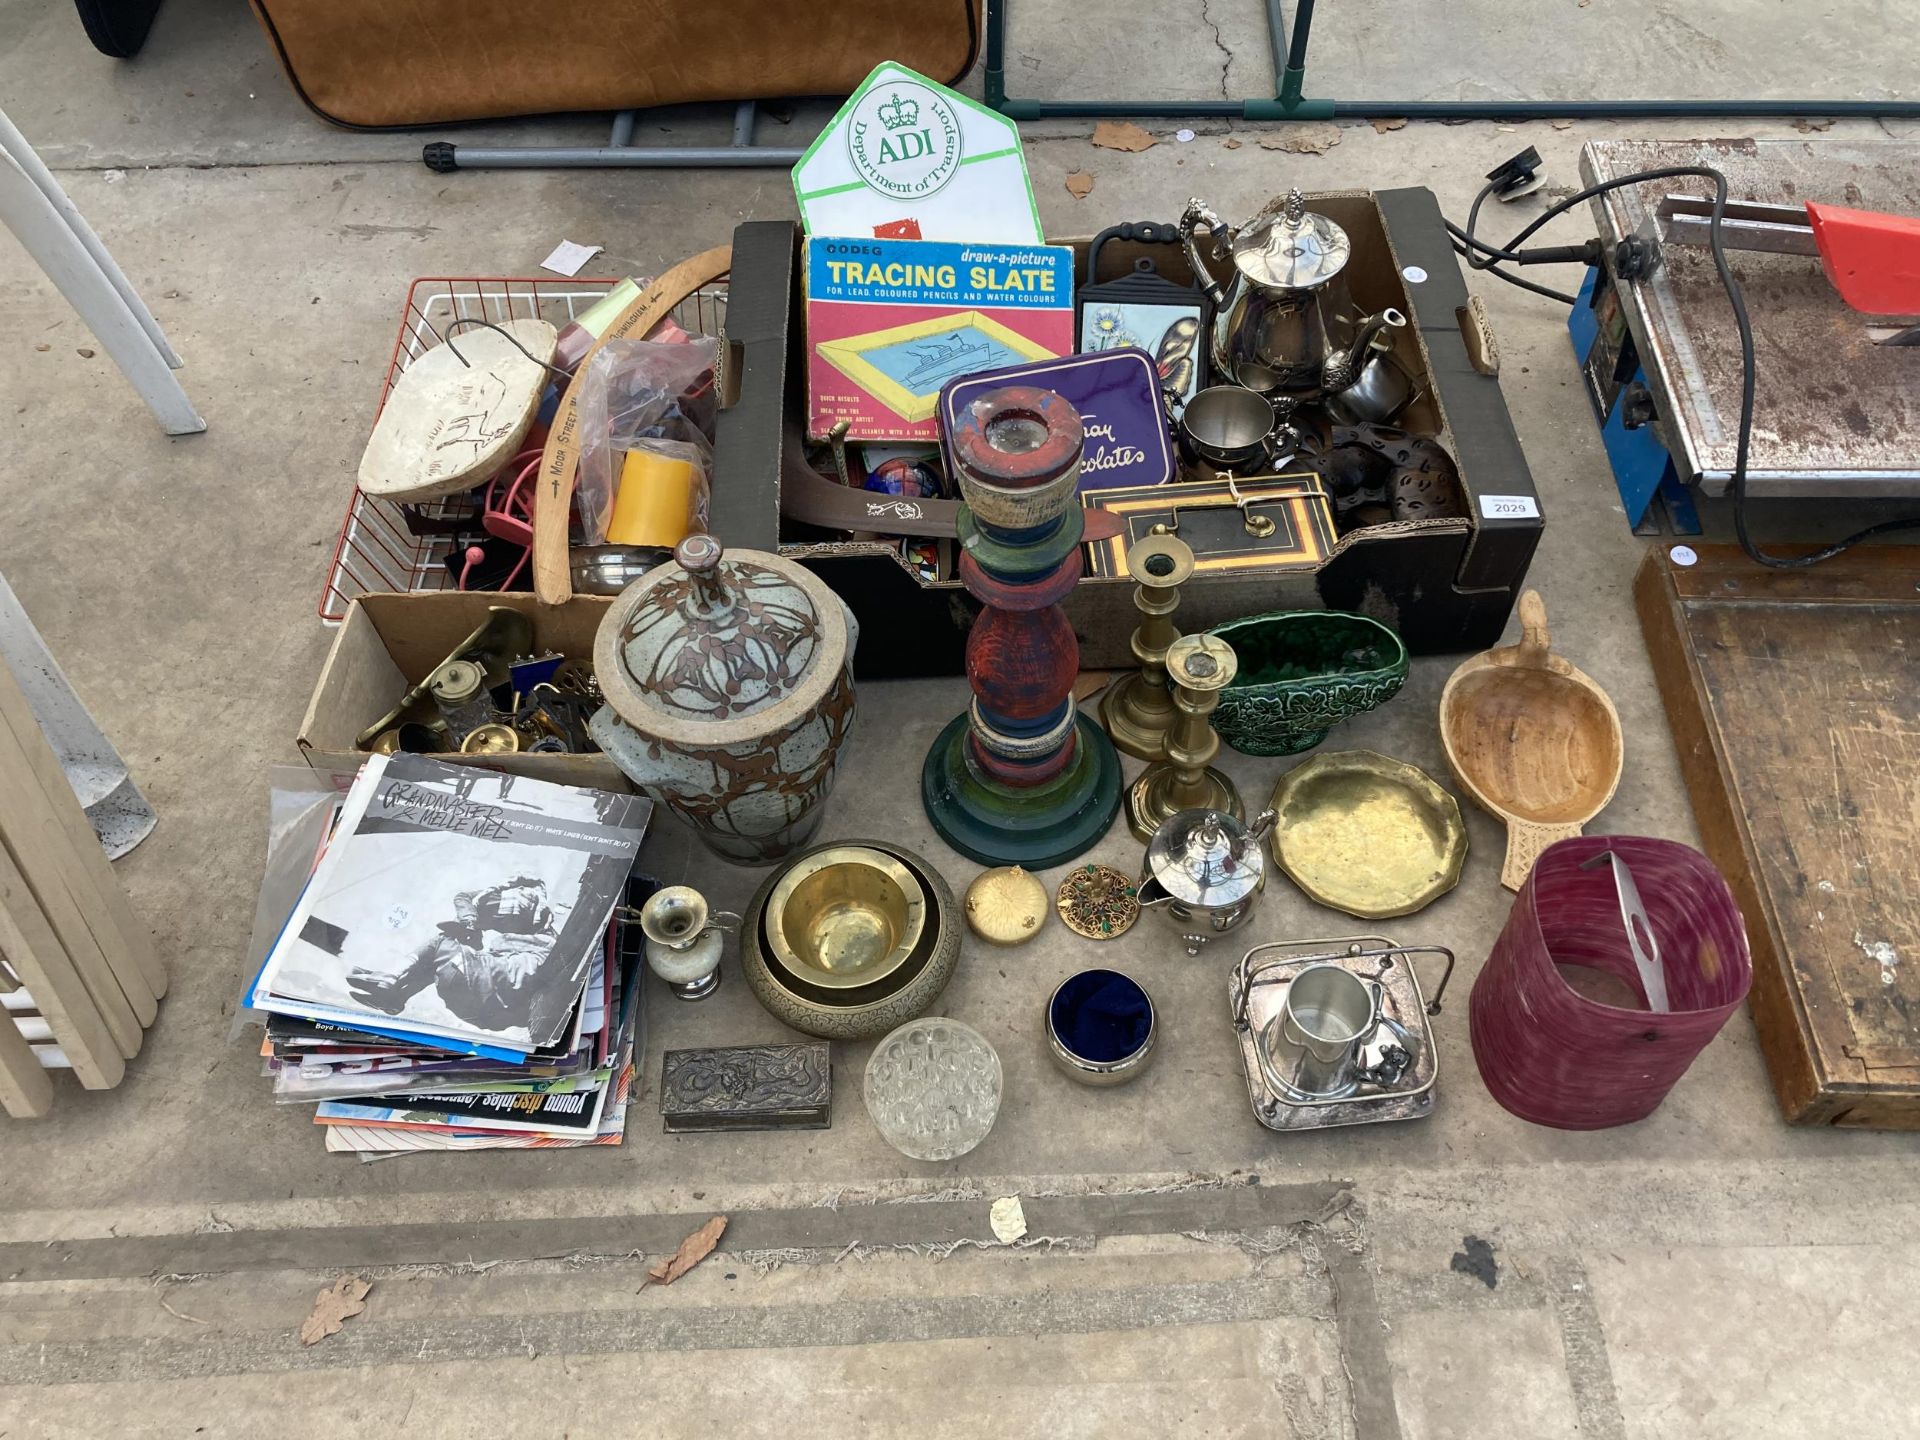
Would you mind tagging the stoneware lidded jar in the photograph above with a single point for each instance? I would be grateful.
(729, 686)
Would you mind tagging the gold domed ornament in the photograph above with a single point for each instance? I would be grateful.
(1006, 905)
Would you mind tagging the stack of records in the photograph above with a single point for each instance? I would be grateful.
(456, 974)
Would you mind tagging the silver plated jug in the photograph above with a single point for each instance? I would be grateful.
(1317, 1047)
(1204, 872)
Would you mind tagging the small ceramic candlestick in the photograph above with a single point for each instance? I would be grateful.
(683, 949)
(1022, 777)
(1138, 708)
(1199, 667)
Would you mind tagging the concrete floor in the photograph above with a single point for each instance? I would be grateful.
(1707, 1272)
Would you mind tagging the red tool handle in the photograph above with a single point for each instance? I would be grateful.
(1872, 259)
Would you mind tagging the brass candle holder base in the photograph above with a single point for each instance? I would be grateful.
(1199, 667)
(1159, 793)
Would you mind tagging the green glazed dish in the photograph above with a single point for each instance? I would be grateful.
(1301, 673)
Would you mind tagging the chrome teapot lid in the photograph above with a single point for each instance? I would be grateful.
(1289, 247)
(1206, 858)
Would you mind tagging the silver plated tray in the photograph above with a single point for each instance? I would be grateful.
(1254, 994)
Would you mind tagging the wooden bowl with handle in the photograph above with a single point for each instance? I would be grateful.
(1532, 740)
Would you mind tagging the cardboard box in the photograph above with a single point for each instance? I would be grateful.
(1446, 585)
(389, 643)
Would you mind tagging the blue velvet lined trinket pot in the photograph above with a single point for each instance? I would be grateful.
(1100, 1027)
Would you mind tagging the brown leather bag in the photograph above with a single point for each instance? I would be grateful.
(381, 63)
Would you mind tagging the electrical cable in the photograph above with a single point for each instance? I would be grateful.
(1466, 243)
(1512, 279)
(1466, 238)
(1737, 480)
(1473, 223)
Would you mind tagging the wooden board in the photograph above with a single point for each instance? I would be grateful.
(25, 1091)
(123, 938)
(30, 830)
(34, 952)
(1794, 698)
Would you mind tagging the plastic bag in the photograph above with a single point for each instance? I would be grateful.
(637, 390)
(301, 806)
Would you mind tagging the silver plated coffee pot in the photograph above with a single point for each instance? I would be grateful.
(1286, 317)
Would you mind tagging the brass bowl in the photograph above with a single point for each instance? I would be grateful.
(878, 1006)
(845, 917)
(1367, 834)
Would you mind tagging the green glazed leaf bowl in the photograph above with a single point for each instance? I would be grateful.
(1301, 673)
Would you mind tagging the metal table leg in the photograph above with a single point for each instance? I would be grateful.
(120, 814)
(620, 152)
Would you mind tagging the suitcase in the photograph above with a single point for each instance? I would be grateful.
(375, 64)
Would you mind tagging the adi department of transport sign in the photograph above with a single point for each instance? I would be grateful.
(906, 158)
(904, 139)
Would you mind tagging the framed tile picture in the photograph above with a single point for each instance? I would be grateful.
(1146, 310)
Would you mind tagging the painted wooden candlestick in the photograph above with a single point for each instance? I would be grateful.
(1022, 777)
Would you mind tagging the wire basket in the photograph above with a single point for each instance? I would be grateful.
(385, 545)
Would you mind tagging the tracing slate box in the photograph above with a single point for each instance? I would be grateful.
(1446, 585)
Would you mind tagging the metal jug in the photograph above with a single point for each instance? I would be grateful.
(1286, 314)
(1369, 386)
(1316, 1047)
(1204, 871)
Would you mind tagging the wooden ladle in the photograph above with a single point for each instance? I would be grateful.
(1532, 740)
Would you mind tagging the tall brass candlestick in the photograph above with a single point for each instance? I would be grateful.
(1199, 667)
(1138, 708)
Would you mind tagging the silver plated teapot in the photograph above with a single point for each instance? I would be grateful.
(1204, 872)
(1285, 320)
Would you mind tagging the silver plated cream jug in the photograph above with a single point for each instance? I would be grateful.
(1286, 316)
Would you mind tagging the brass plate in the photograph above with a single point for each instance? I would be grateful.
(1098, 901)
(1367, 834)
(1006, 905)
(846, 917)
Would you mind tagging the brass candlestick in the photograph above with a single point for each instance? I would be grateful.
(1199, 667)
(1137, 708)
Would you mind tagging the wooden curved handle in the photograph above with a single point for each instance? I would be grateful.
(1535, 643)
(560, 464)
(1525, 840)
